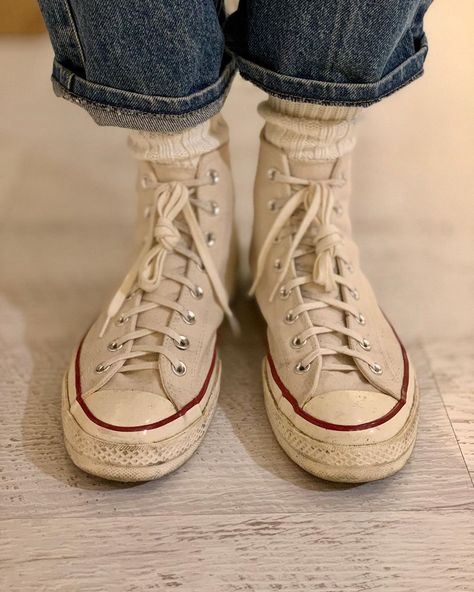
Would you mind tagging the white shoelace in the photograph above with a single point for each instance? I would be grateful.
(306, 217)
(164, 236)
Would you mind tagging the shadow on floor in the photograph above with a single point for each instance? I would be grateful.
(53, 282)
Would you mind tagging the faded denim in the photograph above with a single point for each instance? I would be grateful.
(165, 65)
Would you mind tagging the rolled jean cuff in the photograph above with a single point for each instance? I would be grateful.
(122, 108)
(334, 93)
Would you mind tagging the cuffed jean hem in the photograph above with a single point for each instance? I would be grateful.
(121, 108)
(334, 93)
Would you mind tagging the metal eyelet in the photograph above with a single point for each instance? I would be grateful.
(102, 368)
(146, 182)
(354, 293)
(189, 317)
(360, 319)
(365, 344)
(301, 368)
(214, 175)
(272, 205)
(180, 369)
(114, 346)
(290, 317)
(297, 343)
(277, 264)
(215, 208)
(276, 240)
(350, 267)
(284, 293)
(197, 293)
(122, 320)
(376, 368)
(271, 174)
(182, 343)
(210, 239)
(337, 208)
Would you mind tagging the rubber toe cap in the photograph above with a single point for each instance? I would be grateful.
(350, 408)
(129, 408)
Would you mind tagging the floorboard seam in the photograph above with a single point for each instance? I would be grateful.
(438, 388)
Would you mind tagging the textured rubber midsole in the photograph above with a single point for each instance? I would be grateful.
(334, 455)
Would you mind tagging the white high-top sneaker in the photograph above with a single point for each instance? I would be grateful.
(143, 385)
(340, 390)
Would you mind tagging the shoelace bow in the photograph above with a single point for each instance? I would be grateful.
(164, 236)
(306, 216)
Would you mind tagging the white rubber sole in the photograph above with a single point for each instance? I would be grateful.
(342, 462)
(130, 462)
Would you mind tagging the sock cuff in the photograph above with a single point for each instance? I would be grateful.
(186, 146)
(306, 131)
(312, 111)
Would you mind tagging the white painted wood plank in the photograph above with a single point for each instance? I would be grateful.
(452, 362)
(239, 517)
(347, 551)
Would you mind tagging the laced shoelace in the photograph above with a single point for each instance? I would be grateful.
(165, 236)
(306, 217)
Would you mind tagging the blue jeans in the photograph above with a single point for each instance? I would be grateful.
(164, 65)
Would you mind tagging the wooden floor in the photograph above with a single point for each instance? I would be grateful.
(238, 517)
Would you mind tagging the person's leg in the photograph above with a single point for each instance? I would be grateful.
(350, 52)
(339, 389)
(143, 384)
(156, 65)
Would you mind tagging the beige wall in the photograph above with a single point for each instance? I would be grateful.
(20, 16)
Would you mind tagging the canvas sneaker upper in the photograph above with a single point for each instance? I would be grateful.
(331, 350)
(149, 354)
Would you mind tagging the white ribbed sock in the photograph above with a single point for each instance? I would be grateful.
(306, 131)
(185, 147)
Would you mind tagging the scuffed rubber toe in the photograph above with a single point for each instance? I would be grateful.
(349, 408)
(129, 408)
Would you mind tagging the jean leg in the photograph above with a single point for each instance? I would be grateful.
(145, 64)
(340, 52)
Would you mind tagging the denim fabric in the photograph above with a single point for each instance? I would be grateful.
(167, 64)
(348, 52)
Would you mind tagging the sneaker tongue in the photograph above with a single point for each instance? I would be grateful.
(175, 264)
(316, 170)
(320, 170)
(166, 173)
(147, 380)
(333, 316)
